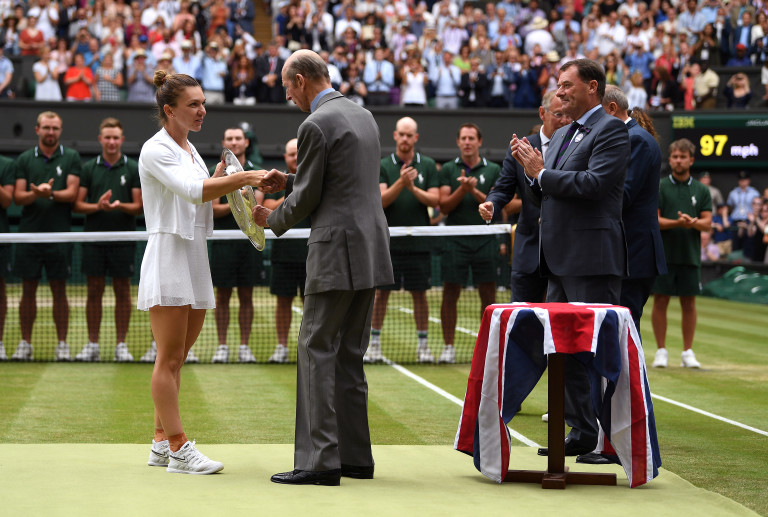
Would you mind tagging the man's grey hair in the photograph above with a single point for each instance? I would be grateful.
(547, 99)
(310, 65)
(615, 94)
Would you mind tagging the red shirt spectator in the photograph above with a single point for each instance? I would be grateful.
(78, 80)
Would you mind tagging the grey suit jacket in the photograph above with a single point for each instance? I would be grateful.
(337, 187)
(581, 232)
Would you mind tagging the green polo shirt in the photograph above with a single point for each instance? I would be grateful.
(122, 177)
(682, 246)
(289, 250)
(6, 178)
(406, 210)
(44, 215)
(486, 172)
(227, 222)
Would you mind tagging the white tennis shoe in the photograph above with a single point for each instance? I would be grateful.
(688, 360)
(373, 354)
(424, 354)
(661, 358)
(90, 353)
(448, 355)
(158, 454)
(23, 352)
(191, 357)
(188, 460)
(244, 355)
(122, 355)
(150, 355)
(62, 352)
(3, 355)
(220, 356)
(280, 355)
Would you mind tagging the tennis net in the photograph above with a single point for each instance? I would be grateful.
(424, 257)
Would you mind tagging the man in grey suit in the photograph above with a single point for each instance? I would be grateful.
(581, 238)
(348, 256)
(528, 284)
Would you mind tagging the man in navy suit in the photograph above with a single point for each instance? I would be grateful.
(581, 237)
(528, 284)
(640, 211)
(640, 216)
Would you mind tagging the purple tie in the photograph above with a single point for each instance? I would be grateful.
(575, 126)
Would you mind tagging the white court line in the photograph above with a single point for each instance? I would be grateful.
(711, 415)
(455, 400)
(438, 321)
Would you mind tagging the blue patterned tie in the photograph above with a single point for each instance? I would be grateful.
(575, 126)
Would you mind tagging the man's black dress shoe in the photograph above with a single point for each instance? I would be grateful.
(572, 448)
(309, 477)
(594, 458)
(353, 471)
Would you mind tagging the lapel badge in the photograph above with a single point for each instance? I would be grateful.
(578, 138)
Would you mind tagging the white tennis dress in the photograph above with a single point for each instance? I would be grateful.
(175, 269)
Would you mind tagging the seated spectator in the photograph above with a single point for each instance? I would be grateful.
(737, 91)
(188, 62)
(413, 83)
(141, 87)
(722, 230)
(741, 58)
(757, 222)
(636, 94)
(352, 85)
(243, 82)
(109, 81)
(79, 80)
(379, 77)
(473, 91)
(499, 78)
(717, 197)
(462, 60)
(707, 47)
(9, 36)
(664, 90)
(31, 39)
(446, 78)
(6, 76)
(46, 77)
(709, 250)
(705, 85)
(526, 83)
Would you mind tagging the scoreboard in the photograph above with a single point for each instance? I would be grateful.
(735, 141)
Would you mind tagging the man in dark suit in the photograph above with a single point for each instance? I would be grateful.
(269, 69)
(348, 256)
(640, 210)
(641, 222)
(528, 284)
(581, 238)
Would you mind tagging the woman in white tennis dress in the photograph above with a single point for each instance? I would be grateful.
(175, 284)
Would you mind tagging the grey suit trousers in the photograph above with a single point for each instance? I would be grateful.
(331, 390)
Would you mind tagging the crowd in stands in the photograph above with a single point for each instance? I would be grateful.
(739, 223)
(391, 52)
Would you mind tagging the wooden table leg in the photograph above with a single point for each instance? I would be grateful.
(557, 475)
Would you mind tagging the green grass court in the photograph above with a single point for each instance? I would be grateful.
(101, 406)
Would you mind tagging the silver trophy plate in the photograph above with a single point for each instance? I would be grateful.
(241, 203)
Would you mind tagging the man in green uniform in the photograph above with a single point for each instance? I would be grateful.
(409, 184)
(47, 183)
(234, 264)
(464, 183)
(6, 197)
(289, 265)
(110, 198)
(685, 210)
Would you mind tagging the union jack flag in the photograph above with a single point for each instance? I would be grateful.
(509, 360)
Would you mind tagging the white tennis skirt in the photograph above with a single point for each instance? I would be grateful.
(175, 272)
